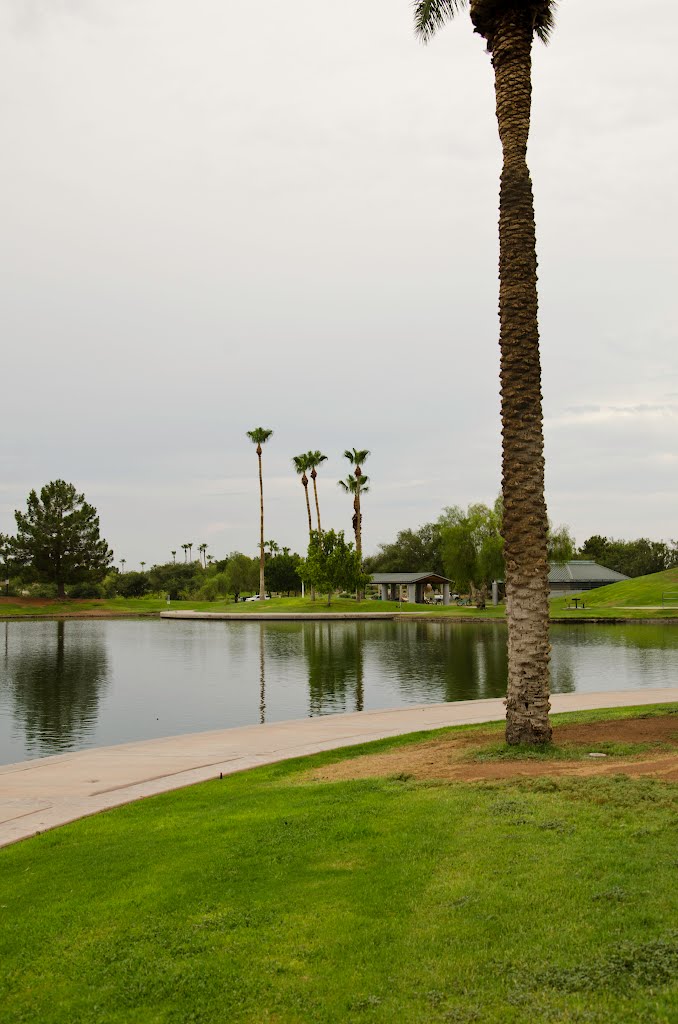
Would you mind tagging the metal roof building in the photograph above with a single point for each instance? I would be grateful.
(568, 577)
(391, 582)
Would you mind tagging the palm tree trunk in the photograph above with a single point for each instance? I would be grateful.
(262, 585)
(357, 526)
(524, 520)
(310, 521)
(317, 506)
(308, 509)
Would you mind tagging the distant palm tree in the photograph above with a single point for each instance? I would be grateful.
(357, 456)
(301, 464)
(190, 551)
(123, 563)
(508, 27)
(316, 459)
(142, 564)
(203, 551)
(184, 548)
(259, 436)
(356, 485)
(174, 557)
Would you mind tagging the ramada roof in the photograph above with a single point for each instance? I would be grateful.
(409, 577)
(583, 572)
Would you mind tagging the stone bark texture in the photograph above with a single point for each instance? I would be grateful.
(524, 519)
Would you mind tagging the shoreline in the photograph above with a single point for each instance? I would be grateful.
(110, 616)
(40, 794)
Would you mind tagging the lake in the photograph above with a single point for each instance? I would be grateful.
(87, 683)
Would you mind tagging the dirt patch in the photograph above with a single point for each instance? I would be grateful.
(452, 757)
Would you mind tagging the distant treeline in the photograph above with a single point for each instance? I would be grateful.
(466, 546)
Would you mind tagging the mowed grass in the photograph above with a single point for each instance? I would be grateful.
(266, 897)
(152, 606)
(639, 598)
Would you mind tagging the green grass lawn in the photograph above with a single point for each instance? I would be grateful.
(266, 897)
(639, 598)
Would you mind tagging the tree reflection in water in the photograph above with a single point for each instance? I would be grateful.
(56, 677)
(335, 658)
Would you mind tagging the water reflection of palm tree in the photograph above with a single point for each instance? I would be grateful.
(262, 675)
(335, 659)
(56, 681)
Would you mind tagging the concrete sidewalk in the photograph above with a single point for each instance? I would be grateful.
(41, 794)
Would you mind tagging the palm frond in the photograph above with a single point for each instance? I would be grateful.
(315, 459)
(430, 15)
(259, 435)
(545, 20)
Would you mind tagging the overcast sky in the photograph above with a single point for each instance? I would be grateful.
(217, 216)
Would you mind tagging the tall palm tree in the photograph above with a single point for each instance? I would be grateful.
(301, 464)
(260, 436)
(316, 459)
(184, 548)
(190, 551)
(357, 456)
(202, 549)
(356, 485)
(508, 27)
(123, 563)
(142, 564)
(174, 556)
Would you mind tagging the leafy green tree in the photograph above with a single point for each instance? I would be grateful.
(282, 573)
(259, 436)
(133, 584)
(180, 580)
(632, 557)
(332, 564)
(508, 28)
(411, 551)
(561, 544)
(58, 539)
(241, 573)
(472, 548)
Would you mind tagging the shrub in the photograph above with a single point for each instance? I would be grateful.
(85, 589)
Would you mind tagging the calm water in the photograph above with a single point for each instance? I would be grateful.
(69, 685)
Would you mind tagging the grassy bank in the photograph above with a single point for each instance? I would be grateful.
(267, 897)
(639, 598)
(145, 606)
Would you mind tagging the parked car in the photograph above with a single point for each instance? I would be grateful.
(257, 598)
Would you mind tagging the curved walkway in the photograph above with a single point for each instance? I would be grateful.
(50, 791)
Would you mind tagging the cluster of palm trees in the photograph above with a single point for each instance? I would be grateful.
(306, 466)
(187, 549)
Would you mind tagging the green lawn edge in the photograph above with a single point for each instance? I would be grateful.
(258, 899)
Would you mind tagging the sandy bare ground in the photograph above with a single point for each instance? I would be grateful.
(453, 757)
